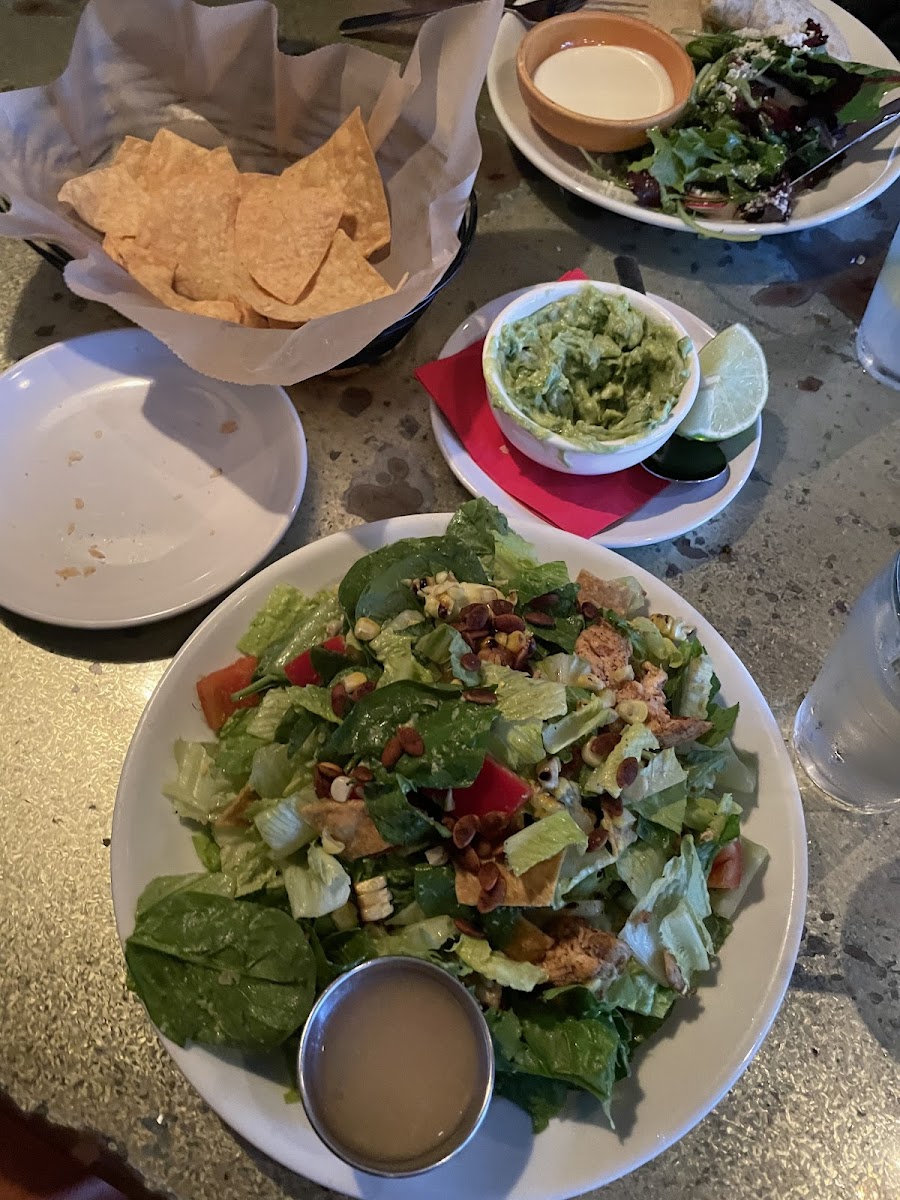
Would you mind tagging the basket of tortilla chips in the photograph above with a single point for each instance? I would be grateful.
(229, 202)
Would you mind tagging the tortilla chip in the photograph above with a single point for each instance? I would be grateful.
(282, 240)
(343, 281)
(157, 276)
(346, 161)
(534, 889)
(117, 248)
(132, 155)
(218, 160)
(349, 823)
(169, 156)
(109, 199)
(190, 224)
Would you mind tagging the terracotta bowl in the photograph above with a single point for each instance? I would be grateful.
(596, 29)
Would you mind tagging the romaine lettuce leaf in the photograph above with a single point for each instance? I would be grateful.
(632, 744)
(542, 840)
(316, 887)
(271, 771)
(635, 990)
(669, 918)
(695, 688)
(394, 650)
(200, 789)
(725, 903)
(577, 724)
(492, 964)
(445, 647)
(281, 825)
(521, 697)
(233, 753)
(417, 941)
(245, 859)
(517, 744)
(639, 865)
(283, 639)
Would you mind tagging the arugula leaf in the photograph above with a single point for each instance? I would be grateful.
(221, 972)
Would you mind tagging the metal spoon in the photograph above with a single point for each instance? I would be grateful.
(681, 460)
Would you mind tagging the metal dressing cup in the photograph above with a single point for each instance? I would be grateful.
(317, 1064)
(847, 730)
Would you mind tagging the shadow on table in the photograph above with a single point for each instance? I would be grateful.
(144, 643)
(870, 950)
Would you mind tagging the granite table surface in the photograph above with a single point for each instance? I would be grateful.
(817, 1114)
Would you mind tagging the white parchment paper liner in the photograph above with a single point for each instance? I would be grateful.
(215, 75)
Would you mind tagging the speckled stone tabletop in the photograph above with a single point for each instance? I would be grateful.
(817, 1114)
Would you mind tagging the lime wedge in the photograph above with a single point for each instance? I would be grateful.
(734, 385)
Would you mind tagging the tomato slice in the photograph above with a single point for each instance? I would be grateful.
(301, 672)
(727, 867)
(214, 691)
(496, 789)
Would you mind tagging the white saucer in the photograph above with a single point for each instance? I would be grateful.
(675, 510)
(133, 487)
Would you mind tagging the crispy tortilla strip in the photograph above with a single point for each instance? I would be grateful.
(282, 238)
(534, 889)
(346, 161)
(349, 823)
(132, 155)
(614, 594)
(110, 199)
(157, 278)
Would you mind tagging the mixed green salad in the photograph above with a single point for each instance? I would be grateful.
(460, 754)
(761, 113)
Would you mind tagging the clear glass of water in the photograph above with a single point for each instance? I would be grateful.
(878, 337)
(847, 730)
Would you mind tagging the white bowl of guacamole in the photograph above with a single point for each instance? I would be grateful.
(588, 377)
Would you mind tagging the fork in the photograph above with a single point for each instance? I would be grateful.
(532, 12)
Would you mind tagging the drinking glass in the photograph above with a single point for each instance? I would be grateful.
(878, 337)
(847, 730)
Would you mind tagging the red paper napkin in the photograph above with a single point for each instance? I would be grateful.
(582, 504)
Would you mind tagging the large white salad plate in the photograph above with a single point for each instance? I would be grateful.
(676, 1080)
(677, 509)
(133, 487)
(870, 172)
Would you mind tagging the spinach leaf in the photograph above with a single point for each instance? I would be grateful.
(475, 524)
(540, 1098)
(374, 587)
(398, 821)
(435, 891)
(456, 739)
(372, 720)
(327, 663)
(718, 929)
(236, 747)
(221, 972)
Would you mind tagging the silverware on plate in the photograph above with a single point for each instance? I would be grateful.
(532, 11)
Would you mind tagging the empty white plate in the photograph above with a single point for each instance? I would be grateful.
(133, 487)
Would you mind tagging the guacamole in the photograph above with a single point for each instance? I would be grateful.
(590, 368)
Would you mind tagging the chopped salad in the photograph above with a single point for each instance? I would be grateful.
(461, 754)
(763, 111)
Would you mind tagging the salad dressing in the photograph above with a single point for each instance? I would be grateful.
(398, 1070)
(616, 83)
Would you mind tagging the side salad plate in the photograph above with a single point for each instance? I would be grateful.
(866, 174)
(134, 487)
(526, 761)
(676, 510)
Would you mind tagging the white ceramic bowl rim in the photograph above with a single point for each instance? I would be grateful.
(524, 306)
